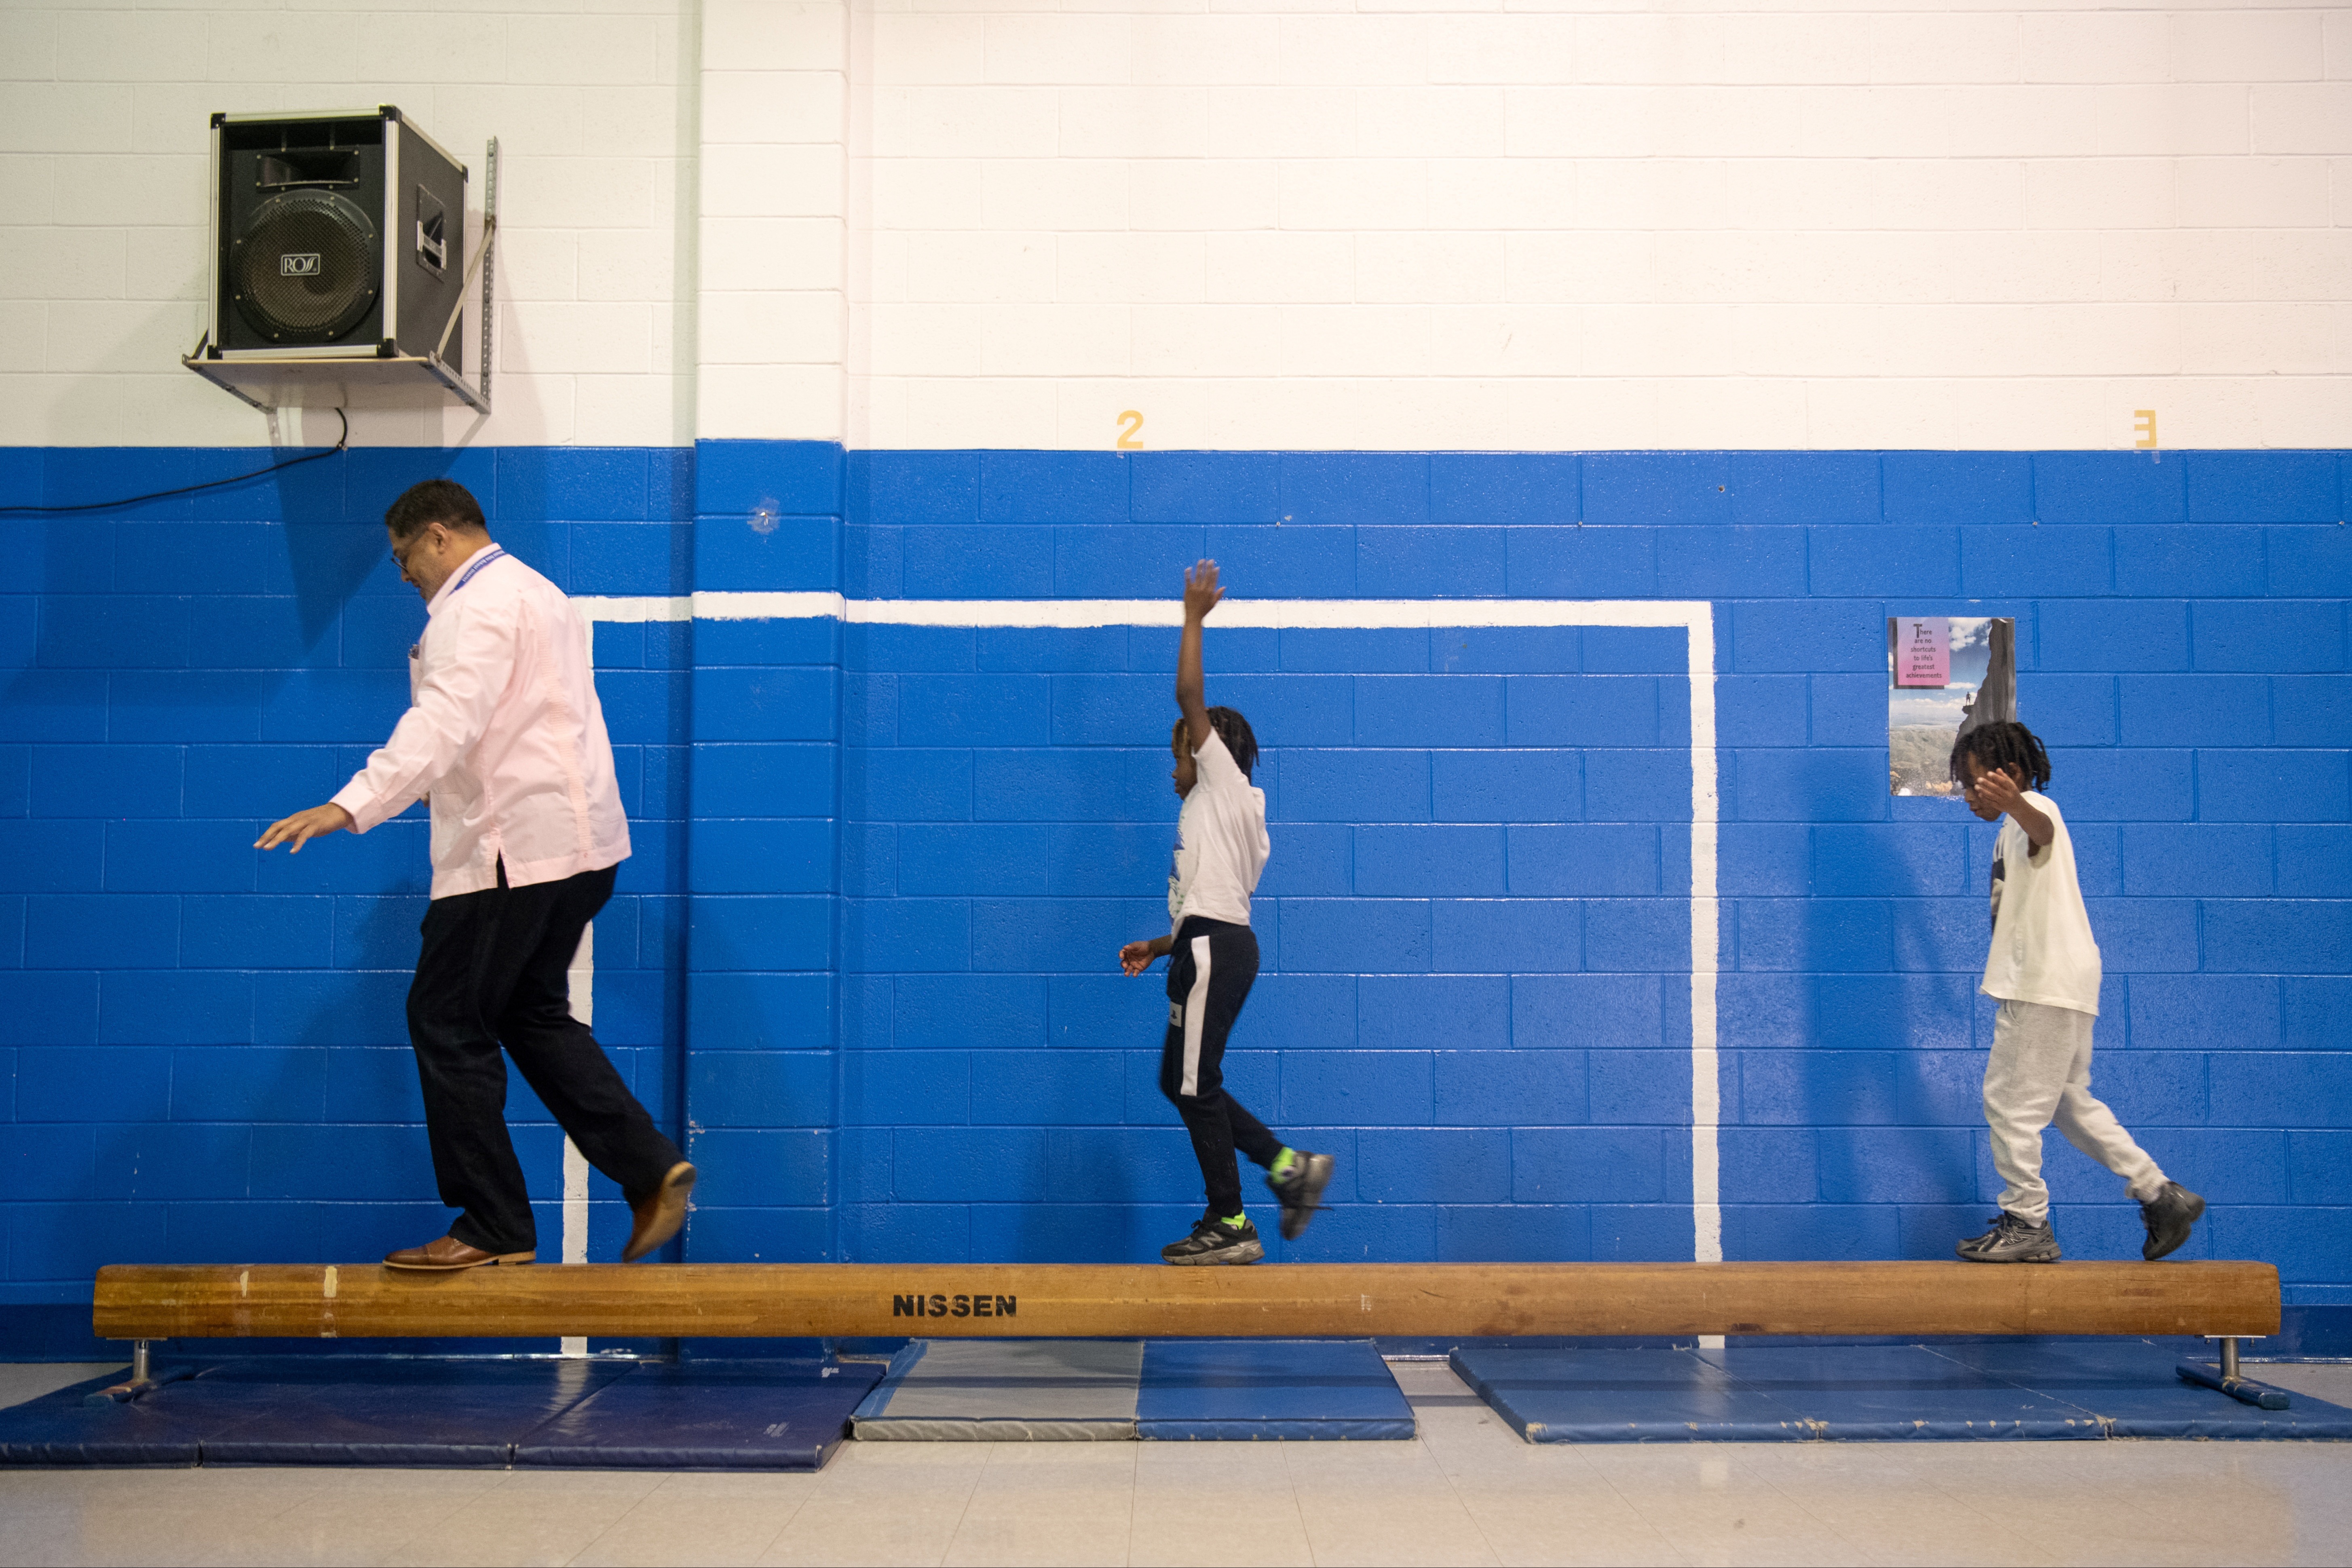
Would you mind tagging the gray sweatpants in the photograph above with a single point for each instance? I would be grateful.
(2041, 1073)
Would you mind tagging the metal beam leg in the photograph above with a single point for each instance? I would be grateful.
(2228, 1380)
(143, 1379)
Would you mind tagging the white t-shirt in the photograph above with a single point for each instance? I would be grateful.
(2042, 946)
(1221, 842)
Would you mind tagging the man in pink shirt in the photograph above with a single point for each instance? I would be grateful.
(506, 736)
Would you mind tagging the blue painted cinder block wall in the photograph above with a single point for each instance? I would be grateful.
(205, 1048)
(863, 956)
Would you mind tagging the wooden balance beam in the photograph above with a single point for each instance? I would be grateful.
(1124, 1301)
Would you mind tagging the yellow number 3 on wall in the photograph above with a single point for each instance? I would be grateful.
(1130, 422)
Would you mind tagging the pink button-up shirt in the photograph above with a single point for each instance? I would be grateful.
(505, 733)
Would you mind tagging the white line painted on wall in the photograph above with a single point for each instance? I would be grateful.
(1328, 615)
(1695, 617)
(582, 977)
(1706, 1093)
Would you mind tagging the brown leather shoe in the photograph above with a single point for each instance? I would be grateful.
(448, 1255)
(659, 1215)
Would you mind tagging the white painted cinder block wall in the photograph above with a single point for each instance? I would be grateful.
(1542, 224)
(775, 243)
(1523, 224)
(104, 121)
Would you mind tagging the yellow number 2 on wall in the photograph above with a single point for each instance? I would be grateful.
(1130, 422)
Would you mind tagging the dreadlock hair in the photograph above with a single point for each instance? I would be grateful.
(2004, 744)
(1235, 731)
(445, 501)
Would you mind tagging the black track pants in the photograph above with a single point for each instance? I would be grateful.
(492, 971)
(1210, 972)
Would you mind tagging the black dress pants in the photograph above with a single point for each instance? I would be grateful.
(492, 971)
(1210, 972)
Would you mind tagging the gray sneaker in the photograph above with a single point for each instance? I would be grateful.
(2011, 1240)
(1301, 1190)
(1215, 1241)
(2168, 1216)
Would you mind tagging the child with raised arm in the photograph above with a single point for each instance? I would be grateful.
(2044, 970)
(1221, 848)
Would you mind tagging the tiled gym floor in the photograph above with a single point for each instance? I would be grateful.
(1466, 1491)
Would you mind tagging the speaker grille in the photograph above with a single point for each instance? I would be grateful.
(308, 268)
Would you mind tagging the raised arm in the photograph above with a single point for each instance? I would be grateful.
(1201, 596)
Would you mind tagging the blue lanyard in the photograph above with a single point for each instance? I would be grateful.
(484, 559)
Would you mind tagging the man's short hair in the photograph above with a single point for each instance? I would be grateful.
(445, 501)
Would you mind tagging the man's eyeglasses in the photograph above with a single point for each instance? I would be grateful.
(401, 552)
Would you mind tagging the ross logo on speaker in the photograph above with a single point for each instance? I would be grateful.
(299, 264)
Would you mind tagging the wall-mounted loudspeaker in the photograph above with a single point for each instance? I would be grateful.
(338, 238)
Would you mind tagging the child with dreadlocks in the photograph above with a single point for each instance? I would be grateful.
(2044, 970)
(1221, 848)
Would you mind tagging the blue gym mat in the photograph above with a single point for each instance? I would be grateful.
(56, 1430)
(1268, 1391)
(457, 1412)
(2016, 1390)
(1130, 1390)
(705, 1415)
(1622, 1396)
(416, 1413)
(1881, 1392)
(2131, 1385)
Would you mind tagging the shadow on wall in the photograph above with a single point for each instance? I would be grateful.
(1937, 1072)
(280, 1153)
(1880, 1066)
(124, 580)
(334, 537)
(327, 562)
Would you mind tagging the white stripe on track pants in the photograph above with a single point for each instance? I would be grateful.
(1210, 972)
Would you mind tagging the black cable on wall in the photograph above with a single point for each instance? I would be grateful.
(343, 443)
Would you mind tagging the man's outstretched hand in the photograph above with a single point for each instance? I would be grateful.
(1137, 956)
(304, 825)
(1201, 591)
